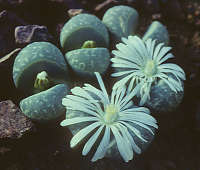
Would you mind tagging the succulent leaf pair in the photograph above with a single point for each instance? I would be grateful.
(41, 73)
(85, 41)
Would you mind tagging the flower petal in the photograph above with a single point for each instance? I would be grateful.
(176, 84)
(138, 109)
(171, 66)
(118, 61)
(131, 140)
(102, 86)
(121, 73)
(134, 130)
(78, 91)
(83, 133)
(138, 44)
(88, 103)
(91, 141)
(162, 53)
(137, 115)
(75, 120)
(134, 53)
(130, 86)
(157, 49)
(122, 145)
(122, 82)
(153, 44)
(122, 92)
(96, 91)
(142, 45)
(102, 148)
(127, 98)
(169, 84)
(176, 73)
(148, 43)
(73, 105)
(145, 127)
(146, 121)
(122, 129)
(129, 104)
(168, 56)
(130, 56)
(146, 94)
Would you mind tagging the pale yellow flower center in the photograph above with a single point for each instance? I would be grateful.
(150, 68)
(111, 113)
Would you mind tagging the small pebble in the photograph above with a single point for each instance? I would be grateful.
(31, 33)
(74, 12)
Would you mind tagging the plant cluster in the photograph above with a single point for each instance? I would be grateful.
(114, 121)
(106, 124)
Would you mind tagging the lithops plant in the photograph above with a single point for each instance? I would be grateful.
(143, 66)
(121, 21)
(111, 126)
(157, 31)
(84, 39)
(38, 66)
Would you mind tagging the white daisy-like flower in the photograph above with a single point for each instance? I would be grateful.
(108, 117)
(142, 64)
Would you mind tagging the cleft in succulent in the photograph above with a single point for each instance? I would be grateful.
(81, 28)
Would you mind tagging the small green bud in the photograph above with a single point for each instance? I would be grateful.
(89, 44)
(42, 82)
